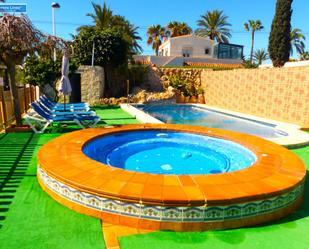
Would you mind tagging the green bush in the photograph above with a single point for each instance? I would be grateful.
(184, 85)
(40, 72)
(110, 47)
(44, 71)
(248, 64)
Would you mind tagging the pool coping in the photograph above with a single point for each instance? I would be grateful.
(296, 137)
(273, 161)
(272, 187)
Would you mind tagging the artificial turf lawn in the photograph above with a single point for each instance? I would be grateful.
(291, 232)
(29, 218)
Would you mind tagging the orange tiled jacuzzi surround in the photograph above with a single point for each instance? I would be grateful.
(276, 173)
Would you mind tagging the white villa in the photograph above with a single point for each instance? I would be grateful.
(177, 51)
(187, 46)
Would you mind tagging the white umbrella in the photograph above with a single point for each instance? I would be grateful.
(65, 84)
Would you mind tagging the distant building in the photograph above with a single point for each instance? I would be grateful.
(187, 46)
(180, 50)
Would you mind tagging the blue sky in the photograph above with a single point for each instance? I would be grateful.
(145, 13)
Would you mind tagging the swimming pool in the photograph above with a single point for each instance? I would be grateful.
(288, 135)
(169, 152)
(195, 115)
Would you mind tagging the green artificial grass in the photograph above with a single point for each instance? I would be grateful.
(288, 233)
(29, 218)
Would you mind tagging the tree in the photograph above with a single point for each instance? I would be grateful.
(297, 41)
(253, 26)
(111, 49)
(104, 18)
(175, 28)
(155, 35)
(279, 46)
(18, 37)
(129, 31)
(304, 55)
(260, 55)
(215, 26)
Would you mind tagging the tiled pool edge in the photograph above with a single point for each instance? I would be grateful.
(297, 138)
(271, 183)
(205, 217)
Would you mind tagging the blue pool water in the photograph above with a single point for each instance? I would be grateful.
(194, 115)
(169, 152)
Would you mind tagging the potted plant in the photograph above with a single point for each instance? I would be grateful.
(180, 85)
(200, 95)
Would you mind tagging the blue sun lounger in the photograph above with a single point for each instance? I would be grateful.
(61, 107)
(62, 111)
(43, 119)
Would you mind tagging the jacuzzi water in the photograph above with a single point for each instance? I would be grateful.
(169, 152)
(194, 115)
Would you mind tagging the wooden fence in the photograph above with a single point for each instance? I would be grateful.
(26, 95)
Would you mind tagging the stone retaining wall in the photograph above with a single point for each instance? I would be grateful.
(92, 83)
(192, 75)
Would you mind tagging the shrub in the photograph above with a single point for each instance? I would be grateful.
(248, 64)
(110, 47)
(42, 71)
(184, 85)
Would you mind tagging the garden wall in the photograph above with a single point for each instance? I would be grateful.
(92, 83)
(277, 93)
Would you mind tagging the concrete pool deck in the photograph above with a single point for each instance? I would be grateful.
(295, 138)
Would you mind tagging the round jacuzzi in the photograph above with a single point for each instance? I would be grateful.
(169, 152)
(172, 177)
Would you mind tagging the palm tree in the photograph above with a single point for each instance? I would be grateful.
(253, 26)
(155, 35)
(297, 41)
(177, 29)
(215, 26)
(129, 31)
(260, 55)
(304, 55)
(102, 16)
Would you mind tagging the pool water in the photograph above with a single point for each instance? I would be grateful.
(179, 153)
(195, 115)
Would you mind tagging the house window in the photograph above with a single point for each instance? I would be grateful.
(207, 51)
(187, 51)
(228, 51)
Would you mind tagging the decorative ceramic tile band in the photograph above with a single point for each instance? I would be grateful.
(175, 214)
(269, 189)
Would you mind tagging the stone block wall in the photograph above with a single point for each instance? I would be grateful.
(92, 83)
(192, 75)
(277, 93)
